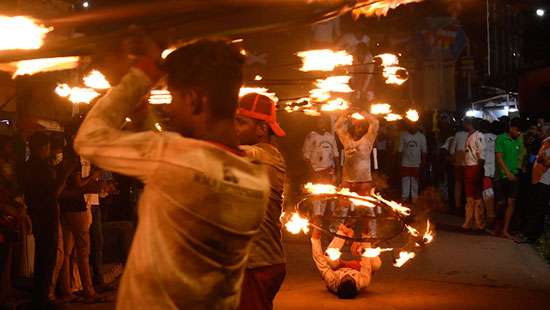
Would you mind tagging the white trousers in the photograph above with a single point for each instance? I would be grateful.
(409, 188)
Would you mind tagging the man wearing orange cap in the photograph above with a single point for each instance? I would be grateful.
(255, 124)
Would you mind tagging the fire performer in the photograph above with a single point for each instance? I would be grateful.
(256, 122)
(344, 278)
(203, 200)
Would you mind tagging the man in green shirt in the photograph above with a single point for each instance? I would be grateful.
(507, 149)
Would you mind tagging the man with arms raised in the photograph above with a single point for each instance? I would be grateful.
(203, 200)
(256, 123)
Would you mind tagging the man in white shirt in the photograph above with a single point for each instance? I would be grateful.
(489, 168)
(321, 153)
(343, 278)
(412, 151)
(457, 152)
(256, 122)
(474, 158)
(203, 200)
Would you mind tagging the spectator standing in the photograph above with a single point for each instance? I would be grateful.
(489, 168)
(540, 195)
(255, 123)
(412, 150)
(457, 151)
(320, 151)
(507, 150)
(449, 170)
(474, 158)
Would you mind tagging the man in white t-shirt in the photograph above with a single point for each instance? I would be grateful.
(321, 153)
(489, 167)
(412, 151)
(203, 199)
(474, 158)
(457, 152)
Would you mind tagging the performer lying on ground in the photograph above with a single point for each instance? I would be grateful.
(344, 278)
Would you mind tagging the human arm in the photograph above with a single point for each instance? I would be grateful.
(342, 131)
(306, 149)
(374, 124)
(480, 147)
(500, 160)
(423, 149)
(321, 262)
(101, 140)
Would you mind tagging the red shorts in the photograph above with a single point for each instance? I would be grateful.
(473, 181)
(260, 285)
(410, 172)
(325, 176)
(487, 183)
(361, 188)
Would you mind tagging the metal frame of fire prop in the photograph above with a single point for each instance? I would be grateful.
(296, 223)
(27, 46)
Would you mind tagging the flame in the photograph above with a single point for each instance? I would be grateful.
(258, 78)
(357, 116)
(412, 231)
(259, 90)
(428, 235)
(311, 112)
(392, 204)
(63, 90)
(404, 256)
(328, 189)
(392, 77)
(412, 115)
(333, 253)
(96, 80)
(45, 65)
(128, 120)
(158, 127)
(374, 252)
(337, 84)
(388, 59)
(337, 104)
(324, 60)
(392, 117)
(378, 7)
(160, 96)
(297, 224)
(167, 52)
(319, 95)
(380, 108)
(20, 32)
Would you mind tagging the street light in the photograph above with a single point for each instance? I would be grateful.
(540, 12)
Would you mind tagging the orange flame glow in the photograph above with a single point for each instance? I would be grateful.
(76, 95)
(378, 7)
(333, 253)
(380, 108)
(337, 104)
(374, 252)
(20, 32)
(392, 117)
(404, 257)
(296, 224)
(388, 59)
(328, 189)
(412, 231)
(392, 77)
(429, 234)
(34, 66)
(357, 116)
(392, 204)
(324, 60)
(412, 115)
(96, 80)
(160, 96)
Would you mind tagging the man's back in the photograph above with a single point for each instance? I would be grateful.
(198, 212)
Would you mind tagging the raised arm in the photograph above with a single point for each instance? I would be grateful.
(342, 131)
(321, 261)
(100, 139)
(374, 124)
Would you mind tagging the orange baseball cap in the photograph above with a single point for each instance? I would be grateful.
(262, 108)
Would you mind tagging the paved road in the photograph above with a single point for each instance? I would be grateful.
(458, 271)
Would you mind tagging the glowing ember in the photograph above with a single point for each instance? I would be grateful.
(392, 117)
(320, 189)
(297, 224)
(357, 116)
(259, 90)
(311, 112)
(333, 253)
(258, 78)
(128, 120)
(428, 235)
(404, 257)
(167, 52)
(374, 252)
(76, 94)
(392, 204)
(324, 60)
(337, 104)
(412, 231)
(378, 7)
(96, 80)
(45, 65)
(380, 108)
(388, 59)
(412, 115)
(319, 95)
(395, 75)
(20, 32)
(158, 127)
(328, 189)
(160, 96)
